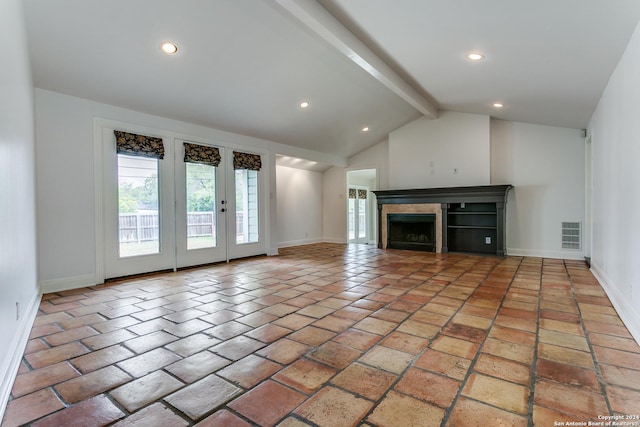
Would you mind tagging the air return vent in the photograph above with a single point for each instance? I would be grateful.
(571, 235)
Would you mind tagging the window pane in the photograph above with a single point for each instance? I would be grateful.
(352, 219)
(362, 218)
(201, 203)
(246, 206)
(139, 224)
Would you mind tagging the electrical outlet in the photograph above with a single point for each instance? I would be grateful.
(455, 171)
(487, 240)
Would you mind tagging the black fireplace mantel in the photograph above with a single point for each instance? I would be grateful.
(476, 194)
(471, 216)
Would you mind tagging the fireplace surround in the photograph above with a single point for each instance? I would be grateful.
(467, 219)
(411, 231)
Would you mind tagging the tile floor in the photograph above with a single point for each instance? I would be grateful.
(333, 335)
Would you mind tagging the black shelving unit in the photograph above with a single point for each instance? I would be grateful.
(472, 227)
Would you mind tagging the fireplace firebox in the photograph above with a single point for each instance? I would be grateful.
(412, 231)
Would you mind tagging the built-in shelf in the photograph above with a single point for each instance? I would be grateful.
(473, 218)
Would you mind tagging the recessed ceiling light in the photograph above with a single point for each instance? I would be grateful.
(365, 129)
(498, 104)
(475, 56)
(169, 48)
(304, 104)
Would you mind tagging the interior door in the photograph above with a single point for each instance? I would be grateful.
(358, 214)
(201, 210)
(139, 230)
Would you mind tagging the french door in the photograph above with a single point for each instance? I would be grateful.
(180, 210)
(358, 216)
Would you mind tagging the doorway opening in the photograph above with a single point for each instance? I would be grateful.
(361, 218)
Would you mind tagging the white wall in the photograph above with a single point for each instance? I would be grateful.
(65, 162)
(18, 281)
(546, 167)
(299, 205)
(450, 151)
(616, 182)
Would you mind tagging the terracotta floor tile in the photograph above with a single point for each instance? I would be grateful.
(504, 369)
(294, 321)
(203, 396)
(229, 330)
(429, 387)
(305, 375)
(70, 335)
(108, 339)
(575, 342)
(624, 401)
(508, 350)
(156, 415)
(357, 339)
(565, 355)
(558, 326)
(455, 346)
(375, 326)
(237, 348)
(497, 392)
(386, 358)
(97, 411)
(148, 362)
(312, 336)
(469, 413)
(31, 381)
(284, 351)
(267, 403)
(400, 410)
(442, 363)
(249, 371)
(569, 400)
(138, 393)
(54, 355)
(390, 315)
(420, 329)
(334, 323)
(364, 381)
(192, 344)
(101, 358)
(144, 328)
(615, 375)
(465, 332)
(334, 354)
(149, 342)
(568, 374)
(617, 357)
(31, 407)
(529, 325)
(92, 384)
(222, 418)
(268, 333)
(331, 407)
(618, 343)
(197, 366)
(405, 342)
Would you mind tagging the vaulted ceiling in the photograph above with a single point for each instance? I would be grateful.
(246, 65)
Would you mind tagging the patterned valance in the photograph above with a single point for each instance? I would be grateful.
(248, 161)
(138, 145)
(361, 194)
(194, 153)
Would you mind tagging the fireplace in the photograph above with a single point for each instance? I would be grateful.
(411, 231)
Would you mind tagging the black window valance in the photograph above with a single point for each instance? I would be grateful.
(139, 145)
(246, 161)
(195, 153)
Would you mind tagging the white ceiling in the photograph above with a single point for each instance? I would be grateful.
(244, 65)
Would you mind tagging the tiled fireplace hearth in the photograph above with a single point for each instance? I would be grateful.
(467, 219)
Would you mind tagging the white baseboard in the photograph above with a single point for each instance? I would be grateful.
(67, 283)
(541, 253)
(334, 240)
(11, 362)
(629, 314)
(298, 242)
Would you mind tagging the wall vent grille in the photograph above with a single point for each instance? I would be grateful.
(571, 235)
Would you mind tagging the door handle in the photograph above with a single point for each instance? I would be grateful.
(223, 210)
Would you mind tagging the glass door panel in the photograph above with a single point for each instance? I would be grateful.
(200, 211)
